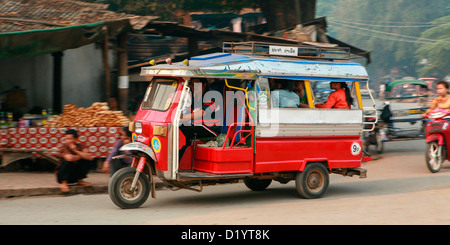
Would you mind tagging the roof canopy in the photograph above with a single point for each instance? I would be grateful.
(391, 85)
(36, 27)
(227, 65)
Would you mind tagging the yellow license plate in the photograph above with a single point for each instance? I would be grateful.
(417, 111)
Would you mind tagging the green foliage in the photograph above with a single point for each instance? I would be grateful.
(436, 54)
(391, 30)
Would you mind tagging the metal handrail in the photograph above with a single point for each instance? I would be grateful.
(303, 51)
(369, 115)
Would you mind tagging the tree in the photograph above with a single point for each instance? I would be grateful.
(286, 14)
(435, 54)
(389, 29)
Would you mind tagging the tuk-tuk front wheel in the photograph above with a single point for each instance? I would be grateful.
(313, 181)
(120, 191)
(434, 156)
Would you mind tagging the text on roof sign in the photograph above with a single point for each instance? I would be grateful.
(281, 50)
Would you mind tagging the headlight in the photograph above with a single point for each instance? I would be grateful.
(138, 127)
(436, 115)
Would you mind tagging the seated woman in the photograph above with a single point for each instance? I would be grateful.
(285, 97)
(339, 99)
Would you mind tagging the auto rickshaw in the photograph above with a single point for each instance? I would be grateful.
(398, 120)
(256, 143)
(432, 83)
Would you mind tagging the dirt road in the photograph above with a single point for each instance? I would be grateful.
(399, 190)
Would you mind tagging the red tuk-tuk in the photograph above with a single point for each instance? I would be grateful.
(248, 138)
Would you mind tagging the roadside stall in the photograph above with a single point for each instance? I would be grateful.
(97, 126)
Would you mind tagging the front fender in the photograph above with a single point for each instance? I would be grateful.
(138, 146)
(435, 137)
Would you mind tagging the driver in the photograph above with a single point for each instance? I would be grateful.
(442, 101)
(197, 115)
(194, 115)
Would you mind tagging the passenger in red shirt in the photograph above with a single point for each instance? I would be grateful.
(339, 99)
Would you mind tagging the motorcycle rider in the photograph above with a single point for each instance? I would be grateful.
(442, 101)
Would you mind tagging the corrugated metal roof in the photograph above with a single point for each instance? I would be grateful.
(34, 27)
(29, 15)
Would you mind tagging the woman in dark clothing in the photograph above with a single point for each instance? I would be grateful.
(112, 165)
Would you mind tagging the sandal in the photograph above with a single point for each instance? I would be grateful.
(64, 188)
(83, 183)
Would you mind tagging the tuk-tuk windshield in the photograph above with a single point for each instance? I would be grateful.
(160, 94)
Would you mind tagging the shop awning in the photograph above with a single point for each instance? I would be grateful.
(37, 42)
(37, 27)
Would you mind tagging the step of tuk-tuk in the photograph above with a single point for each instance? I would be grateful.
(356, 171)
(200, 175)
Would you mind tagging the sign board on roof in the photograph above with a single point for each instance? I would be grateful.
(282, 50)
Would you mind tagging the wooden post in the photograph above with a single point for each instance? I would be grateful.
(123, 82)
(193, 46)
(105, 50)
(57, 82)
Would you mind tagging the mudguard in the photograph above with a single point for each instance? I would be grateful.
(138, 146)
(434, 137)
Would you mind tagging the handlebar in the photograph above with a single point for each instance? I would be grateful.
(437, 114)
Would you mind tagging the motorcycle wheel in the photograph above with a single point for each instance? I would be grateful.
(380, 144)
(119, 188)
(434, 158)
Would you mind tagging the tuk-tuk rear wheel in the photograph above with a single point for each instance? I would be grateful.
(313, 181)
(120, 192)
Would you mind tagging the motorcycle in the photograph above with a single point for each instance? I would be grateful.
(437, 136)
(393, 125)
(371, 134)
